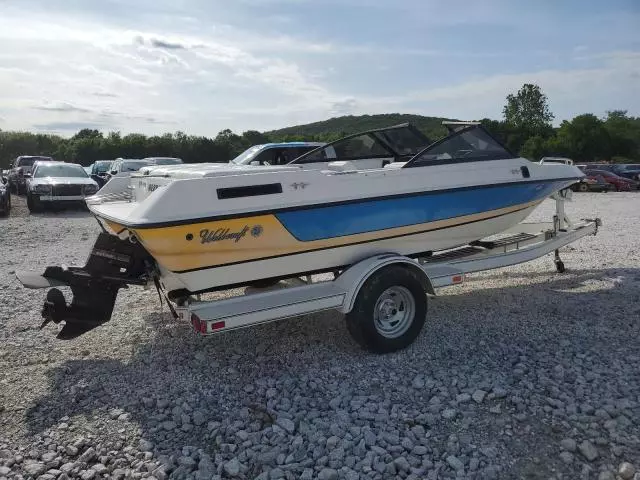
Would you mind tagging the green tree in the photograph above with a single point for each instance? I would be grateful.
(88, 133)
(528, 110)
(624, 133)
(535, 148)
(230, 144)
(584, 138)
(253, 137)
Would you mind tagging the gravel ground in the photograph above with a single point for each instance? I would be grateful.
(519, 373)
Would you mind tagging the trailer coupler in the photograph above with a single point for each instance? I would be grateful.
(113, 264)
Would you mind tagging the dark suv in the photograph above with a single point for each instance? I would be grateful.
(21, 166)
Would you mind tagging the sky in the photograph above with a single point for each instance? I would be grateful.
(200, 66)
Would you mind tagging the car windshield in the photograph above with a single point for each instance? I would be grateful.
(604, 173)
(134, 166)
(60, 170)
(28, 162)
(248, 155)
(101, 166)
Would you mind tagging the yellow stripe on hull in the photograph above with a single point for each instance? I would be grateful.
(194, 246)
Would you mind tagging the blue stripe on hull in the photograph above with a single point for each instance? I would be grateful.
(353, 218)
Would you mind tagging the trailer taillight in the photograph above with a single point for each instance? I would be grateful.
(198, 325)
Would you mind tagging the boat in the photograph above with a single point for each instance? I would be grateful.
(196, 228)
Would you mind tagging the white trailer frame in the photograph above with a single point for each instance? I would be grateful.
(522, 243)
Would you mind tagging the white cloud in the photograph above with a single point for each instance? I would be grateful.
(61, 71)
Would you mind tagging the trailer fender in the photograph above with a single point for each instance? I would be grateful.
(351, 280)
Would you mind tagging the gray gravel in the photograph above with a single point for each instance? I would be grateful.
(519, 373)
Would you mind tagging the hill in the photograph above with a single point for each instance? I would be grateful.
(339, 126)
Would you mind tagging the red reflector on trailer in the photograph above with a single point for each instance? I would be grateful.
(217, 325)
(456, 279)
(195, 321)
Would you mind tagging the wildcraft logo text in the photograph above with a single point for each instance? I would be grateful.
(208, 236)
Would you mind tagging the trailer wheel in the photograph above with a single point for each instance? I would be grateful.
(389, 310)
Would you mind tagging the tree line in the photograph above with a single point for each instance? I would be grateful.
(526, 129)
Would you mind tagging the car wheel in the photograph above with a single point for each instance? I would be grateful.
(583, 187)
(33, 204)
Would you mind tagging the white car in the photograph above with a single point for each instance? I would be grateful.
(57, 183)
(274, 153)
(124, 167)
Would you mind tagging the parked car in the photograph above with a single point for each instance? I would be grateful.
(620, 183)
(5, 196)
(99, 170)
(631, 171)
(164, 160)
(57, 183)
(125, 166)
(274, 153)
(609, 167)
(592, 183)
(21, 166)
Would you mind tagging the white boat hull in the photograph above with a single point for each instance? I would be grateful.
(327, 259)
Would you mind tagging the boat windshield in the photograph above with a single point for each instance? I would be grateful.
(405, 141)
(392, 142)
(466, 145)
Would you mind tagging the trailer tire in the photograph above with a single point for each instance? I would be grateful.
(389, 310)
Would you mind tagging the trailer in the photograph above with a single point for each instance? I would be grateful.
(384, 297)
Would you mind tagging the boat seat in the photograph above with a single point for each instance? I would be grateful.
(342, 166)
